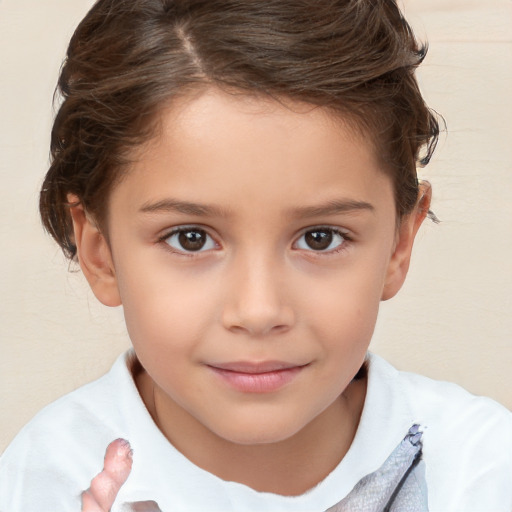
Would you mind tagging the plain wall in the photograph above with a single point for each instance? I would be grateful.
(453, 318)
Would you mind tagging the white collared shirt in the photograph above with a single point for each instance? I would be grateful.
(467, 449)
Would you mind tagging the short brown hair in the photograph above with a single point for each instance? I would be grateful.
(128, 57)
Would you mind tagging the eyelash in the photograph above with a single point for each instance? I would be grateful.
(346, 239)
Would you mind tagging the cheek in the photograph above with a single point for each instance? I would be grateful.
(345, 329)
(165, 310)
(343, 309)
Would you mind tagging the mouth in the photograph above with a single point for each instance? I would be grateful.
(262, 377)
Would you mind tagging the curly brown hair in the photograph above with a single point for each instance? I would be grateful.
(127, 57)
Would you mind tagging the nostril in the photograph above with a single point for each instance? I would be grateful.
(237, 329)
(280, 328)
(261, 328)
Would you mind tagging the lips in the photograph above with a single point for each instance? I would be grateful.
(255, 368)
(261, 377)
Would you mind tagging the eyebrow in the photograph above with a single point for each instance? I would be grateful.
(185, 207)
(334, 207)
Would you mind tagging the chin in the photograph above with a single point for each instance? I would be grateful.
(258, 432)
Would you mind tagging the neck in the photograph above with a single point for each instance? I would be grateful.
(288, 467)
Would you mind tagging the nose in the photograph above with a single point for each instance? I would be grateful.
(256, 302)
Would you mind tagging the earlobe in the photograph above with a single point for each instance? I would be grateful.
(94, 255)
(401, 257)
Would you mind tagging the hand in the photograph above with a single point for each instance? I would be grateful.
(104, 487)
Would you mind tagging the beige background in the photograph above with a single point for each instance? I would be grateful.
(453, 319)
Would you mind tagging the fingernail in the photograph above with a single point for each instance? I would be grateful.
(124, 449)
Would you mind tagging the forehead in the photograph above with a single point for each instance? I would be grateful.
(197, 107)
(227, 148)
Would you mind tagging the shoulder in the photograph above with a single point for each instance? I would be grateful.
(467, 439)
(440, 402)
(76, 412)
(61, 446)
(447, 407)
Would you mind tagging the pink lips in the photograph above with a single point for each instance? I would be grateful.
(262, 377)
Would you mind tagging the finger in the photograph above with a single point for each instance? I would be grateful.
(105, 486)
(89, 504)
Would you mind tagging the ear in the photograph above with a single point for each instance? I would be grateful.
(94, 255)
(401, 257)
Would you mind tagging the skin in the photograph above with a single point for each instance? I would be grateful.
(104, 487)
(259, 179)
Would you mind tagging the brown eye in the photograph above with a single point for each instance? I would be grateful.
(320, 239)
(190, 240)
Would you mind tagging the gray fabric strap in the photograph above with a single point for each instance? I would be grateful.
(397, 486)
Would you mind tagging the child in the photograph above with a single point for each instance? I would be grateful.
(241, 177)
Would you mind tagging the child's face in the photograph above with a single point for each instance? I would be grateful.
(251, 245)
